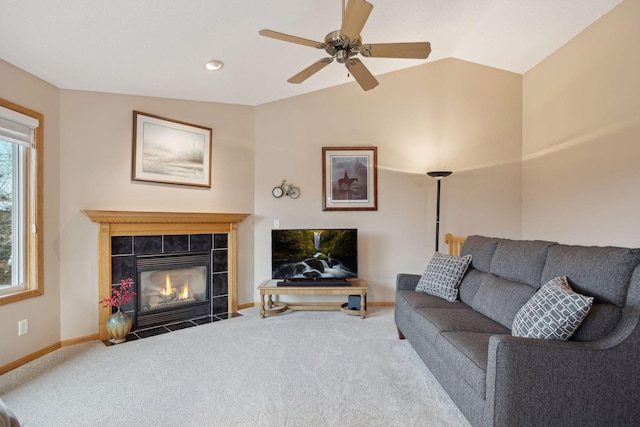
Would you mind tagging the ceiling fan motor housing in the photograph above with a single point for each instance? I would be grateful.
(341, 46)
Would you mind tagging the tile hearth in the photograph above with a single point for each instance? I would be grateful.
(159, 330)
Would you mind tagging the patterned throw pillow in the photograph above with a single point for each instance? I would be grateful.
(553, 313)
(443, 276)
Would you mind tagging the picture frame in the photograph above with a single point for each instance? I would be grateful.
(349, 178)
(170, 151)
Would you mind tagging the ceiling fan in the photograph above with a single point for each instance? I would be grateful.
(343, 44)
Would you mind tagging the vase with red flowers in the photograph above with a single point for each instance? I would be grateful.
(119, 323)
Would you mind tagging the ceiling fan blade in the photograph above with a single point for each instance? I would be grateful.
(362, 75)
(310, 70)
(291, 39)
(420, 50)
(355, 16)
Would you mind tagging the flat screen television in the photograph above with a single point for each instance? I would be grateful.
(314, 254)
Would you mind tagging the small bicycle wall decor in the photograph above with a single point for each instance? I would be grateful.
(285, 189)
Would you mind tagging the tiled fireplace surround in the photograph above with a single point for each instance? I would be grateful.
(125, 249)
(124, 234)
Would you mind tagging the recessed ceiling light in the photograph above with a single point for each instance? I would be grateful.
(214, 65)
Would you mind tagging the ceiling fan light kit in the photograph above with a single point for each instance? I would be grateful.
(343, 44)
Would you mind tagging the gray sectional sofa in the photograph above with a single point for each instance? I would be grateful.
(497, 379)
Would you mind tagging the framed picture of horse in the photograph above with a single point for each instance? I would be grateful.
(349, 179)
(170, 151)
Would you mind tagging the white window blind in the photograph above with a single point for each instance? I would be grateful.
(16, 127)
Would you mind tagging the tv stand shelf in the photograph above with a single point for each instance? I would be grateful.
(270, 288)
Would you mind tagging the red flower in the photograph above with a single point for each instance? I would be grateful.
(120, 295)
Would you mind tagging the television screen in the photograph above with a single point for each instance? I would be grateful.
(314, 254)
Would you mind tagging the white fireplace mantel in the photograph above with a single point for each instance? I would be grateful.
(137, 223)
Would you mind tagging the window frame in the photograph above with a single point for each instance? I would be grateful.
(33, 241)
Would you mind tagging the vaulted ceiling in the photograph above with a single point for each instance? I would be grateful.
(159, 47)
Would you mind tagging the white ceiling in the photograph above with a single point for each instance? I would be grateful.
(159, 47)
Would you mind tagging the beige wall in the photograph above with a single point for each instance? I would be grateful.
(43, 313)
(95, 173)
(581, 136)
(448, 114)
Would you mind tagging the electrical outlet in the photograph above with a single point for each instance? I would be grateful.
(23, 327)
(276, 223)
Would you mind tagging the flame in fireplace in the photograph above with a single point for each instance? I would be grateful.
(168, 290)
(184, 291)
(175, 294)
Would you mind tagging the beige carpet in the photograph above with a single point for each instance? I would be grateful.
(296, 369)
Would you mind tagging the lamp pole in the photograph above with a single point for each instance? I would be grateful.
(438, 175)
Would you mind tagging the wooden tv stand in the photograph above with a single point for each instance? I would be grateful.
(270, 288)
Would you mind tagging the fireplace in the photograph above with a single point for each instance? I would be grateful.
(123, 235)
(172, 288)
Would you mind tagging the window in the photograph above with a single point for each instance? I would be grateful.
(20, 203)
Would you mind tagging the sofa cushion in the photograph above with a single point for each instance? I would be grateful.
(521, 261)
(481, 249)
(467, 354)
(470, 284)
(415, 299)
(554, 312)
(599, 323)
(432, 321)
(443, 275)
(602, 272)
(500, 299)
(408, 300)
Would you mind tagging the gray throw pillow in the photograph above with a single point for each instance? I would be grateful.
(553, 313)
(443, 275)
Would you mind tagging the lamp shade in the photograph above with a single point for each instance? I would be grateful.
(439, 174)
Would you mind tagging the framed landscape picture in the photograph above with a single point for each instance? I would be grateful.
(349, 179)
(170, 151)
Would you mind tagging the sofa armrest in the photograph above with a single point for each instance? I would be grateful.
(545, 382)
(407, 281)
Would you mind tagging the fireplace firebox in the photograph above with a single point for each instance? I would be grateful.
(172, 287)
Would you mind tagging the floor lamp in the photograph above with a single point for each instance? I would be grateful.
(438, 175)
